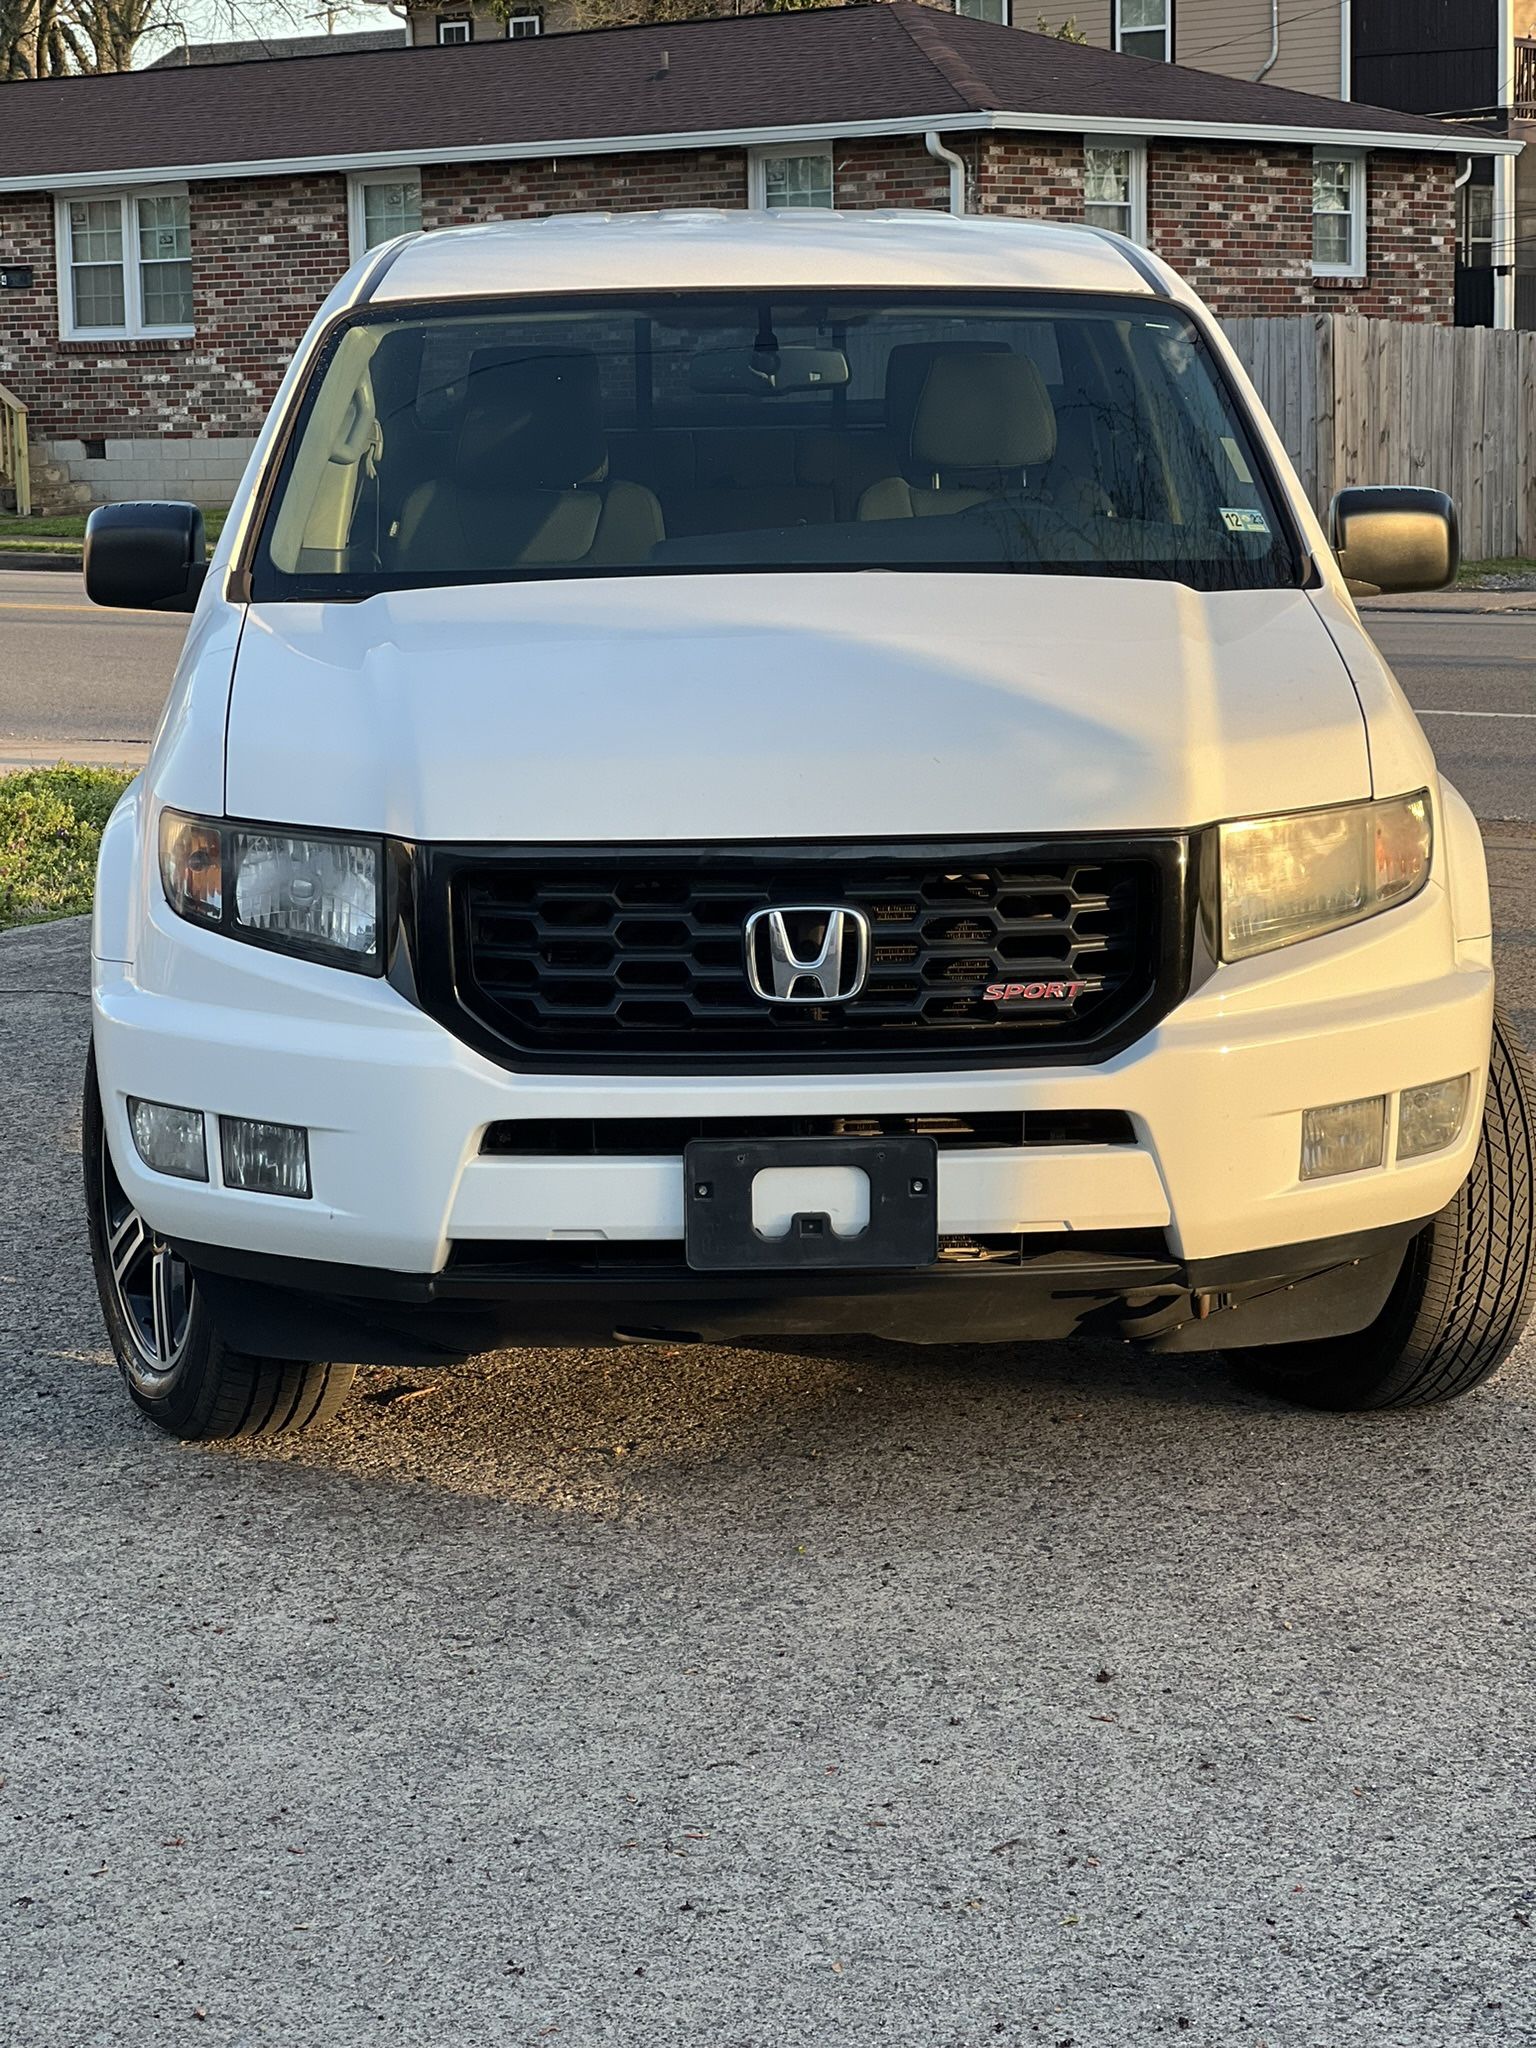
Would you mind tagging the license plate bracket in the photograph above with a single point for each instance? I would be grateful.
(721, 1236)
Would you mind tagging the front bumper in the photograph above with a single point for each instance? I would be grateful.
(1123, 1286)
(397, 1109)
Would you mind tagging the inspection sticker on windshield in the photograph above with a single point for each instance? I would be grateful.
(1239, 519)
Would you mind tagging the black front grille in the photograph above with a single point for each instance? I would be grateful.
(646, 1137)
(492, 1260)
(638, 955)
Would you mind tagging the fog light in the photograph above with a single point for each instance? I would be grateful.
(169, 1140)
(265, 1159)
(1431, 1118)
(1346, 1137)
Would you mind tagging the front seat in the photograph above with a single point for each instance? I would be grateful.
(981, 423)
(529, 485)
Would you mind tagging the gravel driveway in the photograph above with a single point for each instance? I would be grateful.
(679, 1698)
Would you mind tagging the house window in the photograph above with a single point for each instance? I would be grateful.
(382, 205)
(520, 25)
(455, 28)
(1474, 227)
(784, 178)
(1338, 214)
(984, 10)
(1115, 188)
(125, 261)
(1144, 28)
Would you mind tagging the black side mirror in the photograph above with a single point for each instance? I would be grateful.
(145, 558)
(1395, 537)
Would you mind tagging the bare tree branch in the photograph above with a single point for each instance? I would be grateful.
(36, 39)
(48, 38)
(105, 33)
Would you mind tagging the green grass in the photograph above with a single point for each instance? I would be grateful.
(70, 526)
(51, 821)
(66, 528)
(1472, 573)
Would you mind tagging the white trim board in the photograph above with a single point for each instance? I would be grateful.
(1448, 142)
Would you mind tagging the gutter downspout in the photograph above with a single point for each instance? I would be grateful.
(940, 154)
(1346, 51)
(1505, 251)
(1460, 185)
(1274, 43)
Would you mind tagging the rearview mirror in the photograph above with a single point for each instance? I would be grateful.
(767, 373)
(1391, 538)
(145, 558)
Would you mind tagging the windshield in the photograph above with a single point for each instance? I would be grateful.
(1030, 432)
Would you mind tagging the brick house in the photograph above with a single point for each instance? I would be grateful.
(165, 235)
(1303, 44)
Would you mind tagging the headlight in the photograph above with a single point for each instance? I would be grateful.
(1284, 879)
(306, 893)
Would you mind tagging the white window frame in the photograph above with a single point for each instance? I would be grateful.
(463, 21)
(1466, 242)
(1007, 6)
(1137, 152)
(528, 35)
(1167, 56)
(1356, 266)
(133, 328)
(357, 184)
(757, 168)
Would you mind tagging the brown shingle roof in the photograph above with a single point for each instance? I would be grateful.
(266, 49)
(843, 66)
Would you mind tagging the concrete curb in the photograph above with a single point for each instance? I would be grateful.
(18, 755)
(28, 558)
(1452, 604)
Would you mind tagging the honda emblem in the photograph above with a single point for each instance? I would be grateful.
(807, 953)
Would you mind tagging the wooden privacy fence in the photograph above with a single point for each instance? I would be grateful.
(1394, 402)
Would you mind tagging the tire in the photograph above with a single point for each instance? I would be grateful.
(1467, 1286)
(175, 1361)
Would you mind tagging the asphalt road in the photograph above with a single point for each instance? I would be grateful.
(75, 681)
(685, 1698)
(1472, 680)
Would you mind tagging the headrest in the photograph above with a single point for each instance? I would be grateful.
(906, 372)
(533, 419)
(983, 412)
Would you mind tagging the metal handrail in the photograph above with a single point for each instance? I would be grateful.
(15, 463)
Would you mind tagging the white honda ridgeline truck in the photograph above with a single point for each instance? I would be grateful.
(755, 776)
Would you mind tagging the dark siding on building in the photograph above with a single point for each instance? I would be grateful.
(1427, 56)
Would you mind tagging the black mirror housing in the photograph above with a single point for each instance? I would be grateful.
(1392, 538)
(145, 558)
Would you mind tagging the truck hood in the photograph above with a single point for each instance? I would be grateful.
(789, 706)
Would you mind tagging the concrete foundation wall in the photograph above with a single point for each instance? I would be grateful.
(202, 469)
